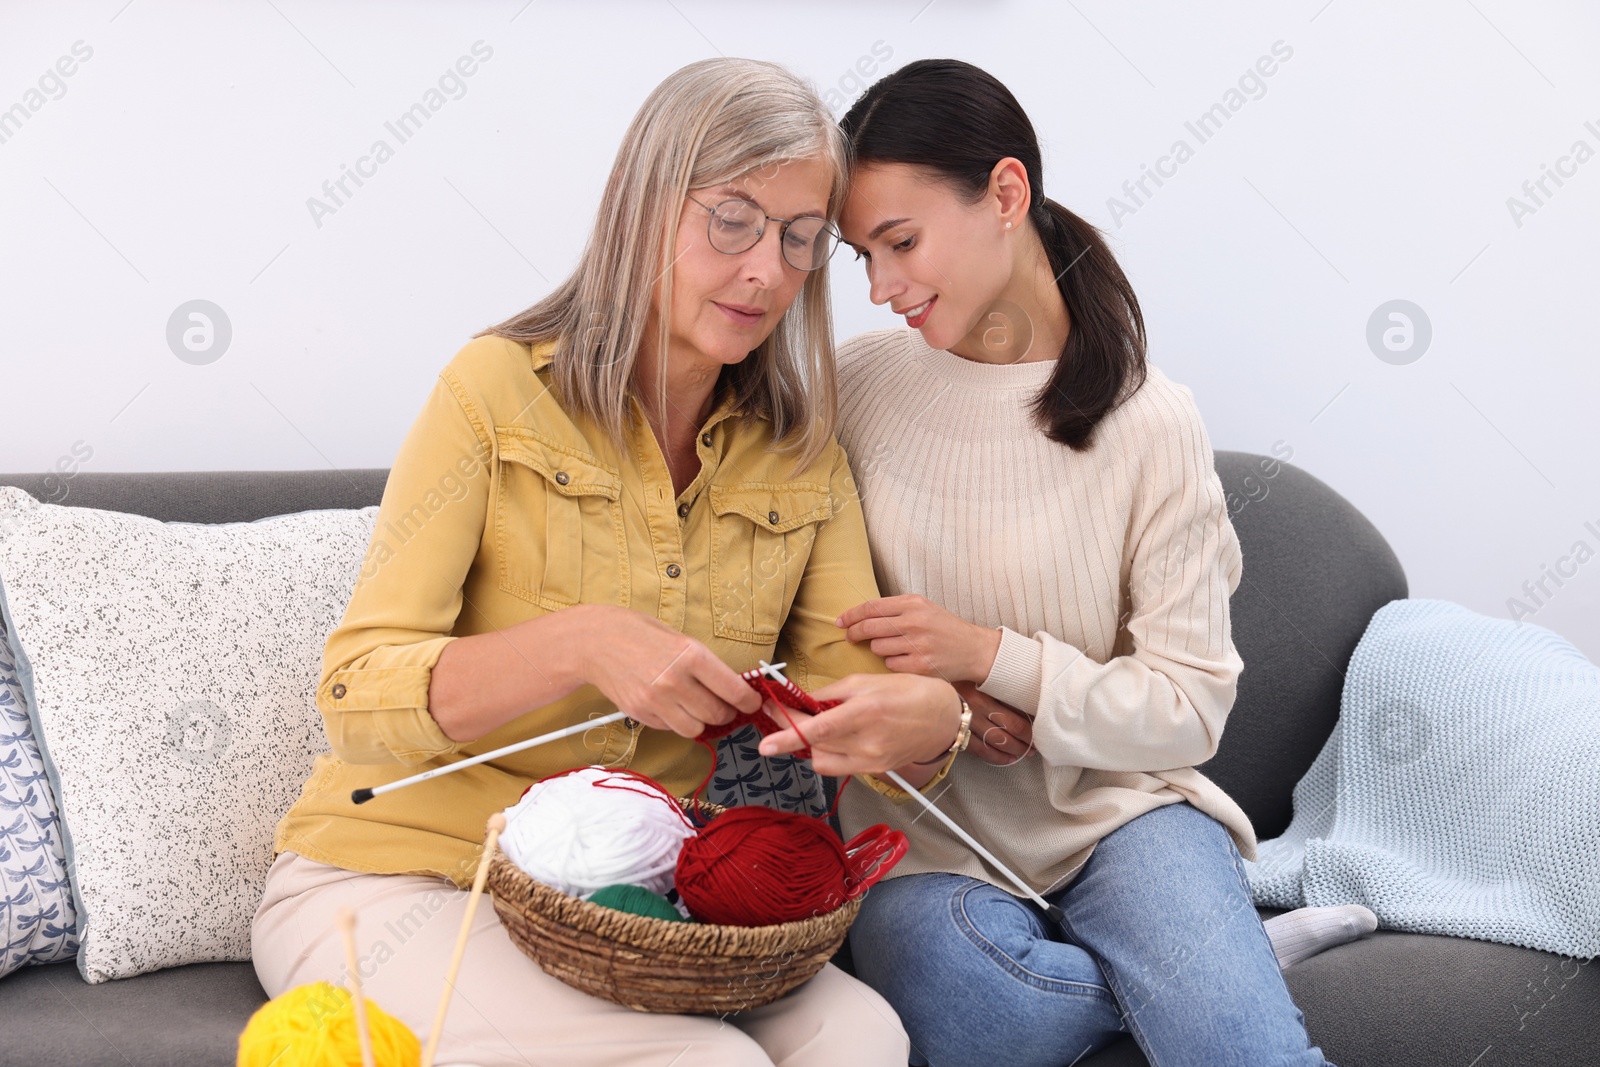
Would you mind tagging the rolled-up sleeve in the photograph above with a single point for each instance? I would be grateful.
(1162, 705)
(838, 575)
(377, 665)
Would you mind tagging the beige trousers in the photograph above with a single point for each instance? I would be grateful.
(507, 1011)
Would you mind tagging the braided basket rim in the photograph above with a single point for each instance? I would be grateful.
(515, 888)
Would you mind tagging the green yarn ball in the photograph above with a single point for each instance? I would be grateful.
(636, 900)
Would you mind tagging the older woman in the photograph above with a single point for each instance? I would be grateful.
(619, 498)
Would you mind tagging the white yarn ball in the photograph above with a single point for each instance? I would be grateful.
(577, 836)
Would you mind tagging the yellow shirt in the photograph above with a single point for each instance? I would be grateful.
(501, 507)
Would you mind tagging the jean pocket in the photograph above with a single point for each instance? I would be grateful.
(559, 534)
(761, 539)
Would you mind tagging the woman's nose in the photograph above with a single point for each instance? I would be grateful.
(882, 285)
(763, 262)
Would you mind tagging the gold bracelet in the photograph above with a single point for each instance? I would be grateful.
(963, 737)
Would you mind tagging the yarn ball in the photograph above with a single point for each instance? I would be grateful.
(583, 830)
(636, 900)
(756, 866)
(314, 1025)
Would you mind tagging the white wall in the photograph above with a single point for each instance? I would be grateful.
(177, 160)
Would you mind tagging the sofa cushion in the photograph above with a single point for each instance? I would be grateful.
(170, 672)
(1420, 1000)
(1314, 571)
(181, 1017)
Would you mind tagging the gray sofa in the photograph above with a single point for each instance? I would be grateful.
(1314, 572)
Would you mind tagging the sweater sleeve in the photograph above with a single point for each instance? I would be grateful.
(377, 665)
(1163, 704)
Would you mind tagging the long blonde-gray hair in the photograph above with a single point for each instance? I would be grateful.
(707, 124)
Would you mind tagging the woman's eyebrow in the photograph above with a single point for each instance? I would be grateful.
(877, 230)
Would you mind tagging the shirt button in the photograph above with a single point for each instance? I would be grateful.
(562, 477)
(673, 570)
(683, 511)
(338, 692)
(705, 439)
(772, 517)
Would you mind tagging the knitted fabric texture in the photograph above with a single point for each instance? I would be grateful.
(1457, 792)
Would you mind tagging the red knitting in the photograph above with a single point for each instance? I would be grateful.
(786, 695)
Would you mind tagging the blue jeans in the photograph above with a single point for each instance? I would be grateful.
(1161, 941)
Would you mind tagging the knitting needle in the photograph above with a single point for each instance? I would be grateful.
(347, 926)
(1050, 909)
(496, 824)
(916, 794)
(361, 796)
(768, 669)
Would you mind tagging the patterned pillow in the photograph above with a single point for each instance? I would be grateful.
(36, 912)
(170, 670)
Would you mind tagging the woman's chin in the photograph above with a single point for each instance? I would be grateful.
(938, 334)
(935, 337)
(729, 351)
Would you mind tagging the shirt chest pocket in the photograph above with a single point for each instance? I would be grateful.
(558, 524)
(761, 539)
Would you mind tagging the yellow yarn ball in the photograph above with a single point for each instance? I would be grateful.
(314, 1025)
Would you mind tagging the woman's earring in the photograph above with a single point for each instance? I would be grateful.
(1008, 225)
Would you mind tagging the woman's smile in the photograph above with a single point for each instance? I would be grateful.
(917, 316)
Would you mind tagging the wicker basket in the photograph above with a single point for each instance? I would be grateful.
(656, 965)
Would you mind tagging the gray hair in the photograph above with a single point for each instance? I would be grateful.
(707, 124)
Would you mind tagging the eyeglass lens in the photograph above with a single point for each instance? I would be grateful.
(736, 225)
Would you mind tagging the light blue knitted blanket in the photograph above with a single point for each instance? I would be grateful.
(1459, 793)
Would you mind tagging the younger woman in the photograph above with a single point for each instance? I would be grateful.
(1051, 537)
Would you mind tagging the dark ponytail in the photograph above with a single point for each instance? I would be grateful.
(959, 121)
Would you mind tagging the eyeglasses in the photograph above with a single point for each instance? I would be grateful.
(736, 225)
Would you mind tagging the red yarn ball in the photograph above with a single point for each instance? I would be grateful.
(756, 866)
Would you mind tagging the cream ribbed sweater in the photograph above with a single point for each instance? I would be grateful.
(1108, 570)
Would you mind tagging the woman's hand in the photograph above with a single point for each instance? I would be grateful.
(659, 676)
(1001, 734)
(916, 636)
(886, 721)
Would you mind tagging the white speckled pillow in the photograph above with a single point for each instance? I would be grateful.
(170, 672)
